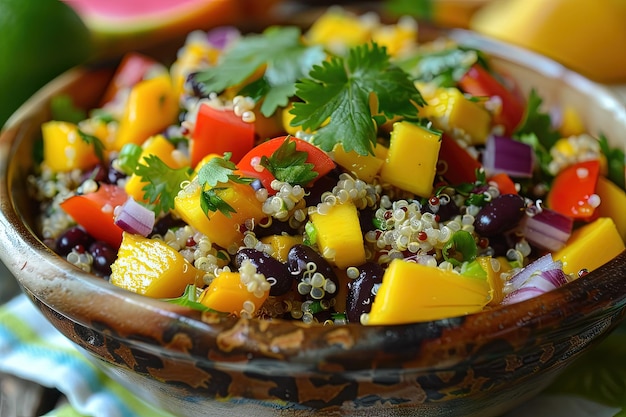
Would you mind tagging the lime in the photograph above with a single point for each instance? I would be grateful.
(40, 39)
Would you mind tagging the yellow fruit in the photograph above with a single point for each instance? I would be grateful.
(587, 36)
(39, 40)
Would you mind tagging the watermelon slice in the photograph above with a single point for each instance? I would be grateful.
(119, 26)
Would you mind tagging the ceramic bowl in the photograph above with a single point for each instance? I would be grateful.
(190, 363)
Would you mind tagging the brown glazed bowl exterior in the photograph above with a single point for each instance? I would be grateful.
(190, 363)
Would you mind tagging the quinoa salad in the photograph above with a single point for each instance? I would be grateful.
(346, 173)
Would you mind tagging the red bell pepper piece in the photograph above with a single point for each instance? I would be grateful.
(478, 82)
(218, 131)
(458, 165)
(249, 164)
(504, 183)
(129, 72)
(94, 211)
(573, 190)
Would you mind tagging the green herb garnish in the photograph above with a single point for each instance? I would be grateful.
(218, 171)
(98, 146)
(162, 182)
(289, 165)
(189, 299)
(442, 67)
(336, 98)
(615, 162)
(63, 109)
(282, 54)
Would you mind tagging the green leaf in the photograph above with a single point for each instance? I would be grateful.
(210, 201)
(421, 9)
(339, 90)
(220, 171)
(63, 109)
(615, 162)
(128, 158)
(289, 165)
(280, 51)
(538, 123)
(189, 299)
(98, 146)
(442, 67)
(162, 182)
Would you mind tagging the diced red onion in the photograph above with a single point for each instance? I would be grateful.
(538, 277)
(134, 218)
(223, 36)
(547, 229)
(509, 156)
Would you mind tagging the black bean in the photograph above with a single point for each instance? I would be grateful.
(74, 237)
(499, 215)
(103, 256)
(303, 261)
(362, 290)
(268, 266)
(166, 223)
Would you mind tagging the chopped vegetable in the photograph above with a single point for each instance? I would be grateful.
(413, 292)
(151, 267)
(95, 212)
(218, 131)
(406, 137)
(134, 218)
(504, 155)
(573, 191)
(591, 246)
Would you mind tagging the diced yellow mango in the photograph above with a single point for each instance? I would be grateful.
(591, 246)
(452, 112)
(228, 294)
(365, 167)
(151, 107)
(397, 38)
(571, 123)
(153, 268)
(338, 29)
(411, 292)
(281, 244)
(339, 235)
(411, 161)
(64, 149)
(613, 204)
(222, 230)
(158, 146)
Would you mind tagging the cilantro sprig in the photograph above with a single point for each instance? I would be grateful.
(219, 170)
(98, 146)
(162, 182)
(282, 56)
(336, 98)
(289, 165)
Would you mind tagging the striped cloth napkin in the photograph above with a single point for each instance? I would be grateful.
(30, 348)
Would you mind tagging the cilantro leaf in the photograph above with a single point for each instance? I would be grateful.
(98, 146)
(283, 55)
(538, 123)
(218, 171)
(189, 299)
(211, 201)
(340, 90)
(289, 165)
(162, 182)
(443, 67)
(615, 162)
(63, 109)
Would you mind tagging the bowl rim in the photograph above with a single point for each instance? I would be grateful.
(590, 294)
